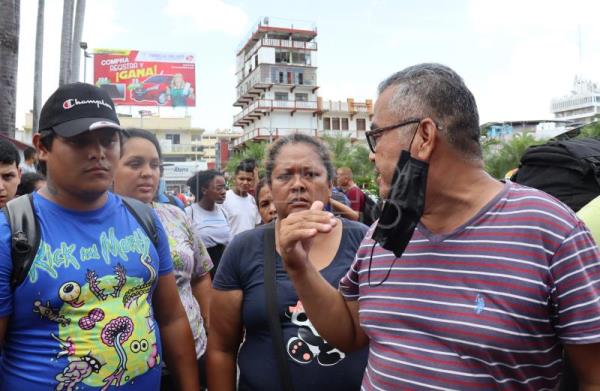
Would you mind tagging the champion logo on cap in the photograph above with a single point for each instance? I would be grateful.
(70, 103)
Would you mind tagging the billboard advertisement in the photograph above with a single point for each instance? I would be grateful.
(143, 78)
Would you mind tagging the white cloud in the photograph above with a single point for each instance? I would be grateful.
(535, 47)
(210, 15)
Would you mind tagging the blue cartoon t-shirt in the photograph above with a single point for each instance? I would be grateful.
(83, 318)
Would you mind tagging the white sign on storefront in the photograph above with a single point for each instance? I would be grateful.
(181, 171)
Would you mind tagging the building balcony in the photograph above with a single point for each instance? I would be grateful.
(279, 43)
(277, 28)
(261, 107)
(265, 76)
(266, 134)
(349, 106)
(180, 149)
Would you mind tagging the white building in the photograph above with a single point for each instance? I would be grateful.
(581, 105)
(277, 87)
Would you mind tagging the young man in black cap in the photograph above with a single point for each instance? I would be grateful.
(99, 296)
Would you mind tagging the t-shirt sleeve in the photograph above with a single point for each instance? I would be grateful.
(348, 286)
(202, 262)
(575, 271)
(163, 249)
(228, 276)
(6, 292)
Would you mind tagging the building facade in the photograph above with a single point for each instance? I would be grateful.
(277, 88)
(581, 106)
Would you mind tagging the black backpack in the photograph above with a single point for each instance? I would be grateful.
(569, 170)
(25, 231)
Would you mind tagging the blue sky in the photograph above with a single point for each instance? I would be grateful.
(515, 55)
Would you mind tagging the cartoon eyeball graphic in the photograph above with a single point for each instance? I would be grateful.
(135, 346)
(139, 346)
(69, 291)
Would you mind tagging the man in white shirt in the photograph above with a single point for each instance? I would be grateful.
(240, 206)
(28, 165)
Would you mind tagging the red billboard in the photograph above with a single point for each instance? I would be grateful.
(142, 78)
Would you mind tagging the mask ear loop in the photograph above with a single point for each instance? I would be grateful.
(387, 275)
(389, 271)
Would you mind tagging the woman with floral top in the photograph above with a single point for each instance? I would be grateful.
(137, 176)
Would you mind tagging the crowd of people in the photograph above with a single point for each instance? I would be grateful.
(458, 282)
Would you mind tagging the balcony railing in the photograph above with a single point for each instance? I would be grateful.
(263, 75)
(270, 105)
(266, 133)
(345, 107)
(181, 148)
(280, 43)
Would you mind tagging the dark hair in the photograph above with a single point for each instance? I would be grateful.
(262, 183)
(299, 138)
(436, 91)
(28, 182)
(29, 153)
(9, 153)
(246, 165)
(199, 180)
(146, 135)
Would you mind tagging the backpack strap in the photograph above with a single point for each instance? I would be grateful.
(144, 216)
(25, 236)
(271, 303)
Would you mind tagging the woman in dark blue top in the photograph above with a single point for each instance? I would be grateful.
(299, 172)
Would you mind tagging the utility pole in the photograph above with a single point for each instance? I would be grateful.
(66, 43)
(37, 77)
(77, 31)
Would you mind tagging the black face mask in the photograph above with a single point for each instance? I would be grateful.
(404, 207)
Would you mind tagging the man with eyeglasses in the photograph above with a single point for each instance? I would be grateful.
(465, 282)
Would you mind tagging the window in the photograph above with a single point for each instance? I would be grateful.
(282, 57)
(300, 78)
(299, 58)
(326, 123)
(281, 96)
(173, 137)
(196, 137)
(344, 123)
(335, 123)
(361, 124)
(289, 77)
(301, 97)
(256, 61)
(281, 77)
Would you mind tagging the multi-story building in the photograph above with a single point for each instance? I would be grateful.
(582, 105)
(277, 81)
(277, 88)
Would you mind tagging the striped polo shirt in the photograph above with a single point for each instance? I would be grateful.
(485, 307)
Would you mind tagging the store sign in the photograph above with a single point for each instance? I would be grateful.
(141, 78)
(181, 171)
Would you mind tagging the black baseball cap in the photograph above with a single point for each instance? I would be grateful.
(76, 108)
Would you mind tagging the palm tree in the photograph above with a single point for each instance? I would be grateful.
(507, 155)
(77, 31)
(66, 43)
(9, 54)
(39, 54)
(253, 150)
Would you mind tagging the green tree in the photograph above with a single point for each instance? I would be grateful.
(253, 150)
(502, 157)
(591, 130)
(356, 156)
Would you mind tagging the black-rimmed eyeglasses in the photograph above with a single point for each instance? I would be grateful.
(373, 134)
